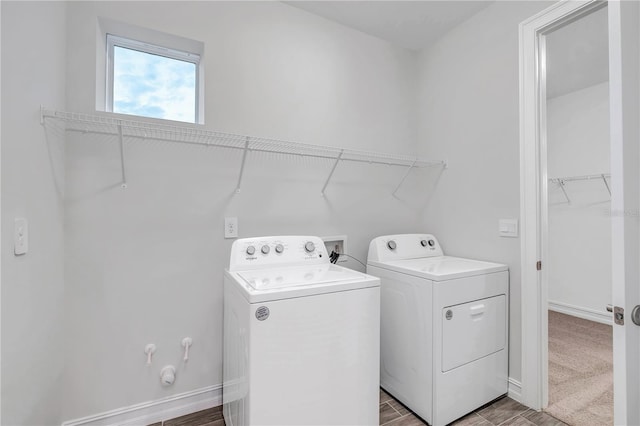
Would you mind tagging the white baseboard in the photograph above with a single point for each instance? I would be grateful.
(515, 390)
(580, 312)
(155, 411)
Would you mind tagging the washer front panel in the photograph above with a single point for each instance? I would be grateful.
(277, 251)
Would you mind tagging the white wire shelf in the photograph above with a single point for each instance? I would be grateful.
(130, 129)
(561, 181)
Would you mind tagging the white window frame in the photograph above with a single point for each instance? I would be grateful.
(113, 40)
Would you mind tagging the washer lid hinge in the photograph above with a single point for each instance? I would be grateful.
(539, 265)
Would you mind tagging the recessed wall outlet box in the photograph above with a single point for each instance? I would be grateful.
(20, 236)
(337, 243)
(231, 227)
(508, 228)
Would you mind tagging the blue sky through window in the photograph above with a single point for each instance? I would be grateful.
(153, 86)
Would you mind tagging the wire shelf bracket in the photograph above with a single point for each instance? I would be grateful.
(244, 159)
(563, 180)
(404, 177)
(564, 191)
(604, 180)
(333, 169)
(110, 125)
(121, 143)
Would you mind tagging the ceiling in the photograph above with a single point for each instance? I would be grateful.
(578, 54)
(410, 24)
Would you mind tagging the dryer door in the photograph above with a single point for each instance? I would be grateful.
(472, 330)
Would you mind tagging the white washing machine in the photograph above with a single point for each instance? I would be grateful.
(301, 336)
(444, 333)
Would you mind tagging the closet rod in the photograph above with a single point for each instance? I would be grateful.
(586, 177)
(563, 180)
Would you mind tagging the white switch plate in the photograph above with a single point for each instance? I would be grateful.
(20, 236)
(231, 227)
(508, 228)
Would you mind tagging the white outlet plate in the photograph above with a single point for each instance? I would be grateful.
(231, 227)
(20, 236)
(337, 240)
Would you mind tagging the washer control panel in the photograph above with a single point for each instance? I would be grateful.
(403, 246)
(262, 252)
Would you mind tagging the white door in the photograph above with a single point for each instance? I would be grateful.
(624, 75)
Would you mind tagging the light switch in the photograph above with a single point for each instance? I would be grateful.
(508, 228)
(20, 236)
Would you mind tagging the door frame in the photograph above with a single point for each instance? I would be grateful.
(624, 100)
(533, 194)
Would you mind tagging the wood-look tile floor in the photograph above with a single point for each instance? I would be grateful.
(502, 412)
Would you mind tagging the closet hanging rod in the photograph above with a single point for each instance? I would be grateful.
(563, 180)
(575, 178)
(84, 123)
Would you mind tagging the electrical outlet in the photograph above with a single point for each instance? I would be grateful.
(231, 227)
(20, 236)
(336, 243)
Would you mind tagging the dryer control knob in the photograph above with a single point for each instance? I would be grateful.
(432, 243)
(309, 247)
(251, 250)
(392, 245)
(423, 243)
(279, 248)
(265, 249)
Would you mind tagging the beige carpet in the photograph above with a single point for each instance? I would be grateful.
(580, 371)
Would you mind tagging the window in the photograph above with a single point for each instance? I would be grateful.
(152, 81)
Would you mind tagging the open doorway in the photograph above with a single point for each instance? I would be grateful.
(624, 106)
(578, 231)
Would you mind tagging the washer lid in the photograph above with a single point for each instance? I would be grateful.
(263, 285)
(442, 268)
(269, 279)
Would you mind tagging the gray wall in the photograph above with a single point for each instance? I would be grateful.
(468, 114)
(580, 232)
(33, 73)
(145, 264)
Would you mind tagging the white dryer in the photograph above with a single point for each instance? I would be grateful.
(301, 336)
(444, 333)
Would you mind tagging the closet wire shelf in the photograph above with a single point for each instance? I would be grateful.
(123, 128)
(561, 181)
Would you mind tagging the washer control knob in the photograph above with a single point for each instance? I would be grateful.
(265, 249)
(309, 247)
(392, 245)
(251, 250)
(432, 243)
(423, 243)
(279, 248)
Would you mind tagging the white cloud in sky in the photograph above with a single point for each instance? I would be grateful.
(153, 86)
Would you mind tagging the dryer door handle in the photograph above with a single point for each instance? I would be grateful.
(477, 310)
